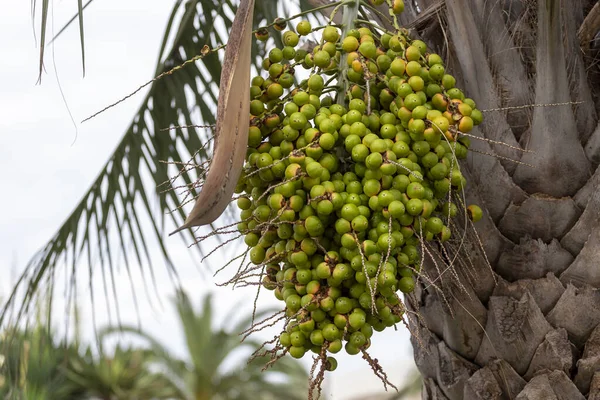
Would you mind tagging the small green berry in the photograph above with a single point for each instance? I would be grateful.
(303, 28)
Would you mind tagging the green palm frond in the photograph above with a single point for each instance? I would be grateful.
(120, 199)
(126, 374)
(121, 218)
(44, 25)
(209, 348)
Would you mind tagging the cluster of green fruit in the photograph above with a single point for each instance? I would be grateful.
(337, 197)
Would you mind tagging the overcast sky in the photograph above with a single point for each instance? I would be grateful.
(46, 166)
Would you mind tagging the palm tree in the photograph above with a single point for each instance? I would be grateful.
(517, 320)
(126, 374)
(32, 366)
(206, 373)
(518, 315)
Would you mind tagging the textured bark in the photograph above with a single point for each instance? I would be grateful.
(511, 383)
(483, 385)
(514, 330)
(585, 113)
(561, 164)
(578, 311)
(431, 391)
(519, 320)
(553, 385)
(595, 387)
(584, 269)
(553, 354)
(533, 259)
(539, 217)
(545, 291)
(453, 372)
(505, 61)
(576, 238)
(463, 339)
(494, 381)
(589, 363)
(478, 75)
(584, 194)
(592, 147)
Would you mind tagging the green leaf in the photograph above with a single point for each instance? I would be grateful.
(79, 16)
(42, 35)
(80, 13)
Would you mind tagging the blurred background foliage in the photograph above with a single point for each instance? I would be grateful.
(33, 365)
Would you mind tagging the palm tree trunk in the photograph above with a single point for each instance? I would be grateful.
(519, 320)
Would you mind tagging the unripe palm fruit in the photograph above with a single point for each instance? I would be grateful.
(398, 185)
(420, 45)
(465, 124)
(290, 39)
(331, 34)
(322, 59)
(368, 50)
(303, 28)
(279, 24)
(412, 53)
(398, 7)
(385, 40)
(289, 53)
(365, 32)
(275, 55)
(330, 48)
(350, 44)
(475, 212)
(476, 116)
(448, 81)
(257, 107)
(331, 364)
(262, 34)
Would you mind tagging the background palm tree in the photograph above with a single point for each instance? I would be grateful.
(35, 367)
(215, 365)
(521, 317)
(127, 373)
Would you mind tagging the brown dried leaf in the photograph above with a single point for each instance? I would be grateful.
(233, 118)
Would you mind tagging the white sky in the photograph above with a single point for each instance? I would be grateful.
(45, 168)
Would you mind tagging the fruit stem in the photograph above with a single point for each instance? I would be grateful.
(350, 14)
(394, 17)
